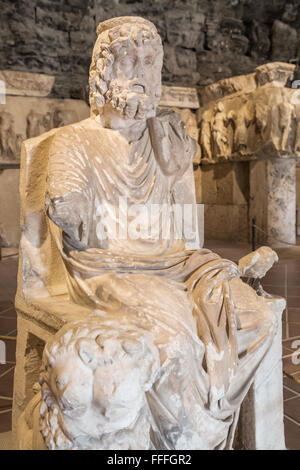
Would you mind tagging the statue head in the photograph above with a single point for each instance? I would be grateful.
(125, 72)
(93, 384)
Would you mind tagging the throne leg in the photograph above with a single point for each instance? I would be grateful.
(30, 344)
(261, 424)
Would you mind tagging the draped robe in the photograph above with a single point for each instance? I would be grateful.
(211, 329)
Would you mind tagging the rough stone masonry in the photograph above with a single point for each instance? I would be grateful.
(204, 40)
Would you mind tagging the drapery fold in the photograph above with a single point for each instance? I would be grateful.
(211, 329)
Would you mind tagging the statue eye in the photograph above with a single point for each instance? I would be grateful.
(148, 60)
(127, 60)
(61, 382)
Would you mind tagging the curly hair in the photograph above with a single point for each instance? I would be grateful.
(131, 30)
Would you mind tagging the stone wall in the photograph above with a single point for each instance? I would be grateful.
(204, 40)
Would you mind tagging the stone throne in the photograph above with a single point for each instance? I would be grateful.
(42, 301)
(123, 368)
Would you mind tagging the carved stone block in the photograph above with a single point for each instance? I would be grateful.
(25, 117)
(26, 84)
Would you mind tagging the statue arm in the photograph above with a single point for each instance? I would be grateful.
(70, 214)
(68, 193)
(174, 149)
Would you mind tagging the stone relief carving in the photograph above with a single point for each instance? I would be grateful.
(248, 117)
(37, 123)
(25, 117)
(10, 142)
(182, 97)
(26, 84)
(164, 359)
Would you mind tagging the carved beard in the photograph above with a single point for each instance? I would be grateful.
(131, 99)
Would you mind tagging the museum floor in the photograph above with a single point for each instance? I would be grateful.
(283, 279)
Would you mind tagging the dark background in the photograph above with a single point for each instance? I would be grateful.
(204, 40)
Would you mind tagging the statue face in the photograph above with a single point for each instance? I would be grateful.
(136, 79)
(125, 74)
(71, 382)
(139, 67)
(118, 393)
(94, 382)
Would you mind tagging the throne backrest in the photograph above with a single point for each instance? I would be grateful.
(41, 270)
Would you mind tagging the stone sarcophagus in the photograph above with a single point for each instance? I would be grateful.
(130, 335)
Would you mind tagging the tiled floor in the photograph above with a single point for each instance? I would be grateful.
(8, 327)
(283, 279)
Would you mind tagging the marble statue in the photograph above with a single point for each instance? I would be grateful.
(175, 337)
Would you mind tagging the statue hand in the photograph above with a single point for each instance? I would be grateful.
(70, 213)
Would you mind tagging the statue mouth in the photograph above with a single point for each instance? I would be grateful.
(137, 88)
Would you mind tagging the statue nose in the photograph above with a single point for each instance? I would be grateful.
(139, 69)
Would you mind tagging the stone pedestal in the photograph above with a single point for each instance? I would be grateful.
(224, 191)
(273, 201)
(261, 417)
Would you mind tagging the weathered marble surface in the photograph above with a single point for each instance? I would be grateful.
(273, 200)
(258, 263)
(161, 357)
(9, 208)
(26, 84)
(190, 120)
(251, 117)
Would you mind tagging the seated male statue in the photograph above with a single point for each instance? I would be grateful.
(176, 336)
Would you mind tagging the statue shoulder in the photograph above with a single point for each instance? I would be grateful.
(77, 135)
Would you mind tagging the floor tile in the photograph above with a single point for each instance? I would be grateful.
(292, 435)
(294, 315)
(286, 351)
(275, 290)
(293, 302)
(6, 384)
(287, 393)
(5, 404)
(7, 325)
(4, 368)
(293, 291)
(289, 367)
(293, 329)
(296, 377)
(292, 408)
(275, 279)
(5, 421)
(290, 383)
(9, 313)
(10, 350)
(5, 304)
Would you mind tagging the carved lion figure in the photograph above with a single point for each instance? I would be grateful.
(93, 387)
